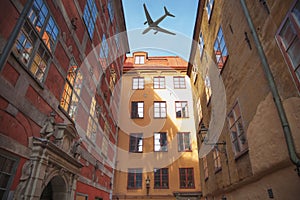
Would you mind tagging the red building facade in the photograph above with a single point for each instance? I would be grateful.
(59, 71)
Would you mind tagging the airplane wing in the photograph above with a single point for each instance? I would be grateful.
(149, 20)
(164, 30)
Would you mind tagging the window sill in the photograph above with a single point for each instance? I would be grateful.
(139, 188)
(187, 187)
(240, 154)
(161, 188)
(217, 170)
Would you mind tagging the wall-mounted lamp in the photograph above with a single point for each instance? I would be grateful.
(148, 185)
(203, 132)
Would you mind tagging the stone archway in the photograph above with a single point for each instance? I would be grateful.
(55, 189)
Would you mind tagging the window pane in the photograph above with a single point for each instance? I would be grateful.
(287, 34)
(294, 54)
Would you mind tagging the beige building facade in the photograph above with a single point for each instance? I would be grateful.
(253, 47)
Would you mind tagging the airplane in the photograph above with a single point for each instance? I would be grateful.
(154, 25)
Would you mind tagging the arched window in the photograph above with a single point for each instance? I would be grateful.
(70, 97)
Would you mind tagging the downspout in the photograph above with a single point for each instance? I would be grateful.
(284, 122)
(11, 40)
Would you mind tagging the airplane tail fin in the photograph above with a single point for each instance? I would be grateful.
(168, 13)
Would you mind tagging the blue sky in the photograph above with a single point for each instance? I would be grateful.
(182, 24)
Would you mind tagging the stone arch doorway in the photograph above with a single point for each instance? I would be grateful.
(55, 189)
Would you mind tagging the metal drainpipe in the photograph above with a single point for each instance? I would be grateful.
(284, 122)
(11, 40)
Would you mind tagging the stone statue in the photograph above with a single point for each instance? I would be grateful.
(75, 147)
(49, 126)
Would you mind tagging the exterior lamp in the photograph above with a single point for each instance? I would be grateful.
(148, 185)
(204, 134)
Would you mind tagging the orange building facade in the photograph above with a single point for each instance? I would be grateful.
(157, 148)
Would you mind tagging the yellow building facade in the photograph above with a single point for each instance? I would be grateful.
(157, 154)
(245, 63)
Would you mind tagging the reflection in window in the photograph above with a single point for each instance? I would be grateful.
(40, 17)
(220, 49)
(160, 142)
(186, 176)
(181, 108)
(201, 44)
(184, 143)
(161, 178)
(217, 159)
(104, 146)
(238, 135)
(138, 83)
(92, 122)
(289, 41)
(136, 143)
(38, 28)
(134, 179)
(209, 8)
(89, 16)
(208, 90)
(179, 82)
(70, 97)
(139, 60)
(137, 109)
(160, 109)
(110, 10)
(7, 172)
(104, 51)
(159, 82)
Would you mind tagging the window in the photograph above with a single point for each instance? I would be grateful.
(7, 171)
(92, 122)
(208, 91)
(159, 82)
(186, 176)
(288, 37)
(160, 109)
(139, 60)
(205, 167)
(104, 146)
(70, 97)
(209, 8)
(134, 178)
(80, 196)
(220, 49)
(161, 178)
(179, 82)
(36, 40)
(201, 45)
(160, 142)
(181, 108)
(110, 10)
(184, 143)
(137, 109)
(138, 83)
(104, 52)
(199, 110)
(238, 135)
(217, 160)
(136, 143)
(89, 16)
